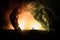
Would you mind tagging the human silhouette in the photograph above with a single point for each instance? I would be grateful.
(14, 19)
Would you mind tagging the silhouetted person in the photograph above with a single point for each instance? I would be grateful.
(14, 19)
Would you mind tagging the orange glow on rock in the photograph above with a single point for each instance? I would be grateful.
(26, 21)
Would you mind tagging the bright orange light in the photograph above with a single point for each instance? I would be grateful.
(27, 22)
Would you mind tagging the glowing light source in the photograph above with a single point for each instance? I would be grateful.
(27, 22)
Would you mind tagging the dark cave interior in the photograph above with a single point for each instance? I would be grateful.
(7, 5)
